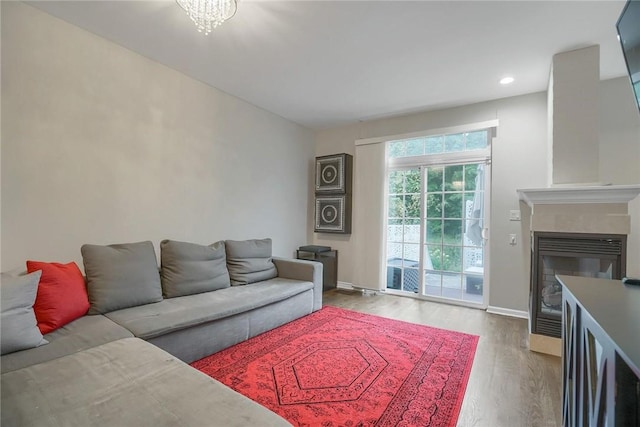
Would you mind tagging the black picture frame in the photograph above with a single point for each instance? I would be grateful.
(333, 174)
(333, 214)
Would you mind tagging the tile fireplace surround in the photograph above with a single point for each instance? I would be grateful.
(577, 209)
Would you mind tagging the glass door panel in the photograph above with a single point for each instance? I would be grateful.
(403, 230)
(454, 218)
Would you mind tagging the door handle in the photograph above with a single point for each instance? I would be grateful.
(485, 233)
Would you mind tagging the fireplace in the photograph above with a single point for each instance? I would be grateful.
(572, 254)
(575, 230)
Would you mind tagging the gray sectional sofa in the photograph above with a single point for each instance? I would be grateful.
(125, 363)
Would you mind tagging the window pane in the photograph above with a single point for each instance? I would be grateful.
(412, 181)
(412, 206)
(453, 205)
(434, 144)
(394, 252)
(473, 287)
(453, 178)
(452, 231)
(434, 179)
(434, 231)
(395, 182)
(451, 281)
(415, 147)
(434, 205)
(396, 149)
(410, 280)
(454, 142)
(411, 255)
(412, 230)
(433, 282)
(395, 207)
(474, 204)
(394, 276)
(476, 140)
(468, 204)
(472, 257)
(470, 173)
(394, 230)
(435, 257)
(452, 286)
(452, 258)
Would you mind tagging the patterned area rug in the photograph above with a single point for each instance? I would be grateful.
(337, 367)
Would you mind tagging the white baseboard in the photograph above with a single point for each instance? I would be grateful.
(345, 285)
(349, 287)
(508, 312)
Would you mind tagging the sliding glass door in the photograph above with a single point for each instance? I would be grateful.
(436, 225)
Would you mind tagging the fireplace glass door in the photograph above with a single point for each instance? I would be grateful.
(569, 254)
(586, 266)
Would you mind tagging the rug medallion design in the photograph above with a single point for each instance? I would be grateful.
(337, 367)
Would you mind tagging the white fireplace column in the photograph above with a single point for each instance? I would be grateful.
(573, 117)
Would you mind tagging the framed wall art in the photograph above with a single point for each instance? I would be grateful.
(333, 173)
(333, 214)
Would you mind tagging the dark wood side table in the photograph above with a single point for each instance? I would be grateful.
(329, 260)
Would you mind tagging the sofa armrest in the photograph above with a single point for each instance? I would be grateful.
(309, 271)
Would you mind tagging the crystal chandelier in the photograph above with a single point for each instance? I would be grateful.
(208, 14)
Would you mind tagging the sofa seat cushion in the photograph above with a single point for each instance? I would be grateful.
(84, 332)
(127, 382)
(152, 320)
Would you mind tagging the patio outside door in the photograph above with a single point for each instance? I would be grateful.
(436, 231)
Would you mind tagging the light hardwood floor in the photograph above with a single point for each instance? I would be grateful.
(509, 385)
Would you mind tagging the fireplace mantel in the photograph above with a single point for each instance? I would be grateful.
(579, 194)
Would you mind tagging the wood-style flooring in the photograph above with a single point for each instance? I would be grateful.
(509, 385)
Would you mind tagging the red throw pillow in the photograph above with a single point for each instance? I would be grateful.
(62, 294)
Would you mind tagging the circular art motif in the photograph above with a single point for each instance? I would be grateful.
(329, 174)
(329, 214)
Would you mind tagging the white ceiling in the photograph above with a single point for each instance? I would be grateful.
(326, 63)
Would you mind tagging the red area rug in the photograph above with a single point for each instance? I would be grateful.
(337, 367)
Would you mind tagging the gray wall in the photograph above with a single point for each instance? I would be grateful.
(620, 152)
(101, 145)
(519, 161)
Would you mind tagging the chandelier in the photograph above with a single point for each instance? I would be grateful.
(208, 14)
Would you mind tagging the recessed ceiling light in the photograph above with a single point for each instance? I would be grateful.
(506, 80)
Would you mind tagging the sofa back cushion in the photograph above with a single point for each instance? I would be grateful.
(188, 268)
(121, 276)
(18, 325)
(62, 294)
(249, 261)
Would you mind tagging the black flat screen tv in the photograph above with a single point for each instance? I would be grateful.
(628, 27)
